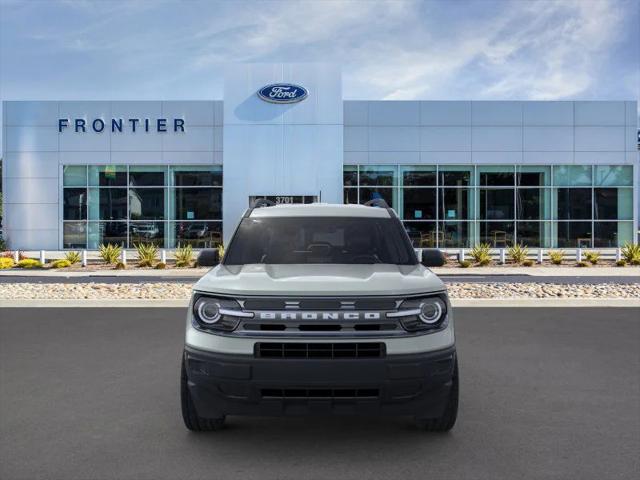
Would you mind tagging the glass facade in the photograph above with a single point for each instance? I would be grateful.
(128, 205)
(452, 206)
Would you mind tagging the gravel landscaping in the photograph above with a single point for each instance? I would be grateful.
(175, 290)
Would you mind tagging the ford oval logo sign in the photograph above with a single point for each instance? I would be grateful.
(283, 93)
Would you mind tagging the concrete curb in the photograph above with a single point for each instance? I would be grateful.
(457, 302)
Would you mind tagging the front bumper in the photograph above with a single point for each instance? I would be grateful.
(227, 384)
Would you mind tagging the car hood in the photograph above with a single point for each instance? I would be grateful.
(342, 280)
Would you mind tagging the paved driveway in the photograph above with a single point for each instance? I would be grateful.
(93, 393)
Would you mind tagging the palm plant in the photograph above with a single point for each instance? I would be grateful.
(184, 256)
(147, 254)
(72, 257)
(110, 252)
(481, 253)
(631, 253)
(592, 257)
(556, 256)
(518, 253)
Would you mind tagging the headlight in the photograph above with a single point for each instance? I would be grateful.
(217, 313)
(208, 310)
(427, 313)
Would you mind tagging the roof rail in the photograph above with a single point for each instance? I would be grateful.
(263, 202)
(377, 202)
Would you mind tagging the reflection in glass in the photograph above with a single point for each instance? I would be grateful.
(146, 203)
(418, 176)
(574, 203)
(422, 234)
(196, 234)
(574, 234)
(614, 175)
(74, 175)
(107, 204)
(74, 235)
(455, 175)
(145, 233)
(74, 204)
(572, 175)
(197, 203)
(350, 175)
(454, 204)
(613, 203)
(196, 176)
(381, 175)
(108, 175)
(533, 176)
(534, 234)
(367, 194)
(497, 234)
(454, 235)
(533, 203)
(496, 204)
(419, 203)
(496, 176)
(146, 175)
(107, 232)
(350, 195)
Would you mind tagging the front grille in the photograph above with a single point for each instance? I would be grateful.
(310, 393)
(321, 304)
(319, 350)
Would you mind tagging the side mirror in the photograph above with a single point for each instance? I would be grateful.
(432, 257)
(208, 257)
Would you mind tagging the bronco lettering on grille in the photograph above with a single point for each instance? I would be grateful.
(319, 315)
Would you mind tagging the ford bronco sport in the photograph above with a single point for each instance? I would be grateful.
(319, 309)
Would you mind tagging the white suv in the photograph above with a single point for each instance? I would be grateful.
(319, 309)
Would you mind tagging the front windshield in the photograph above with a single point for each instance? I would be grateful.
(307, 240)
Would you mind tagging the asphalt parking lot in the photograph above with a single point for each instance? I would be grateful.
(545, 393)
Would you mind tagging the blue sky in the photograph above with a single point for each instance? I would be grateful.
(450, 49)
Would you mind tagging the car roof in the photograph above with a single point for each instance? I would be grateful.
(319, 210)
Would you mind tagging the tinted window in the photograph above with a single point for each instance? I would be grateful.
(311, 240)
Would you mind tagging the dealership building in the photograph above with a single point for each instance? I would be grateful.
(546, 174)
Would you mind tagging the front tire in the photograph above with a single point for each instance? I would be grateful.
(448, 418)
(192, 420)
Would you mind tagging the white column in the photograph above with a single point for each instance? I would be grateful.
(123, 256)
(540, 255)
(84, 258)
(163, 256)
(618, 254)
(578, 254)
(16, 256)
(461, 255)
(502, 257)
(42, 256)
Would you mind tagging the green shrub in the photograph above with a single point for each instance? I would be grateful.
(120, 266)
(464, 263)
(110, 253)
(528, 263)
(582, 263)
(6, 262)
(73, 257)
(160, 266)
(29, 263)
(147, 254)
(518, 253)
(184, 256)
(62, 263)
(556, 256)
(631, 253)
(592, 257)
(480, 254)
(621, 263)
